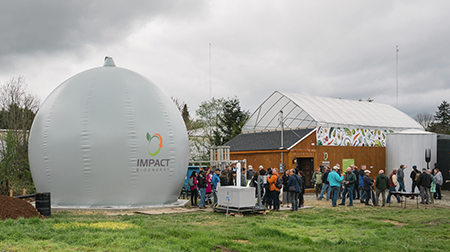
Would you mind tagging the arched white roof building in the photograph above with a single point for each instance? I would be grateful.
(304, 111)
(313, 131)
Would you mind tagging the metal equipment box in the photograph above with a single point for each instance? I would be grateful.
(236, 196)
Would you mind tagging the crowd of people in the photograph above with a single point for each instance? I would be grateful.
(427, 182)
(291, 184)
(204, 184)
(331, 183)
(356, 184)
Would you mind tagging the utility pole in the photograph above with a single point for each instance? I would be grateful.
(282, 144)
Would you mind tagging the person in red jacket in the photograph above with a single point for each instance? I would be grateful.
(274, 191)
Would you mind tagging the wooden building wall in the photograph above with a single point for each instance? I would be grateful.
(257, 158)
(373, 157)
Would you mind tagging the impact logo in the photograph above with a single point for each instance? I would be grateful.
(155, 144)
(155, 148)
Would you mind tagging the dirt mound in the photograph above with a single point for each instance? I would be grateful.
(13, 208)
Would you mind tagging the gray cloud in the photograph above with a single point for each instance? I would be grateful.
(323, 48)
(28, 27)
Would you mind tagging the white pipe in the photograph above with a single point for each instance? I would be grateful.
(238, 174)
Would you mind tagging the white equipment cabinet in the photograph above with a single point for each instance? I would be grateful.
(236, 196)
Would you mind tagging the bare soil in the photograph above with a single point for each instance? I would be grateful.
(13, 208)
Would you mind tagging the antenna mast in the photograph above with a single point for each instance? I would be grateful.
(396, 70)
(210, 71)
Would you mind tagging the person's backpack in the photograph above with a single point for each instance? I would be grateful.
(417, 176)
(191, 181)
(279, 182)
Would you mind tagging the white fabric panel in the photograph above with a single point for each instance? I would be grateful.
(329, 112)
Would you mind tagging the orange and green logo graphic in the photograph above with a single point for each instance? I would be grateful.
(160, 145)
(325, 156)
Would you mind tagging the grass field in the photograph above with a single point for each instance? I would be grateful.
(318, 229)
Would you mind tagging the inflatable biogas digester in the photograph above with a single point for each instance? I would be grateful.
(108, 137)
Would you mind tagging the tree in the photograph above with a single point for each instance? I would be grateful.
(230, 122)
(210, 111)
(202, 136)
(185, 114)
(184, 110)
(443, 113)
(424, 119)
(18, 109)
(219, 120)
(442, 119)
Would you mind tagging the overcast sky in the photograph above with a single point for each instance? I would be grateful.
(343, 49)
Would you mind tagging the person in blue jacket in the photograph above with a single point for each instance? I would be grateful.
(215, 180)
(361, 184)
(335, 178)
(294, 182)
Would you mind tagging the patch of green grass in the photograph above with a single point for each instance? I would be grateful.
(359, 229)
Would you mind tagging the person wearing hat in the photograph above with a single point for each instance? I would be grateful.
(215, 181)
(393, 185)
(250, 172)
(414, 177)
(367, 187)
(335, 183)
(424, 183)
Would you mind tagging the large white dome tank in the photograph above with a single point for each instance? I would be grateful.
(108, 137)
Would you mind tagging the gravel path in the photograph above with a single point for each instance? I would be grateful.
(310, 200)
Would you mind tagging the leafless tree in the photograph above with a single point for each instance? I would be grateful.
(424, 119)
(18, 109)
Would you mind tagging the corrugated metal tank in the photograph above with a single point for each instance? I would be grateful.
(108, 137)
(408, 148)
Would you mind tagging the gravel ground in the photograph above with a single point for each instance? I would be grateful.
(310, 200)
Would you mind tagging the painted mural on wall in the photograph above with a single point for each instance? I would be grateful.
(333, 136)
